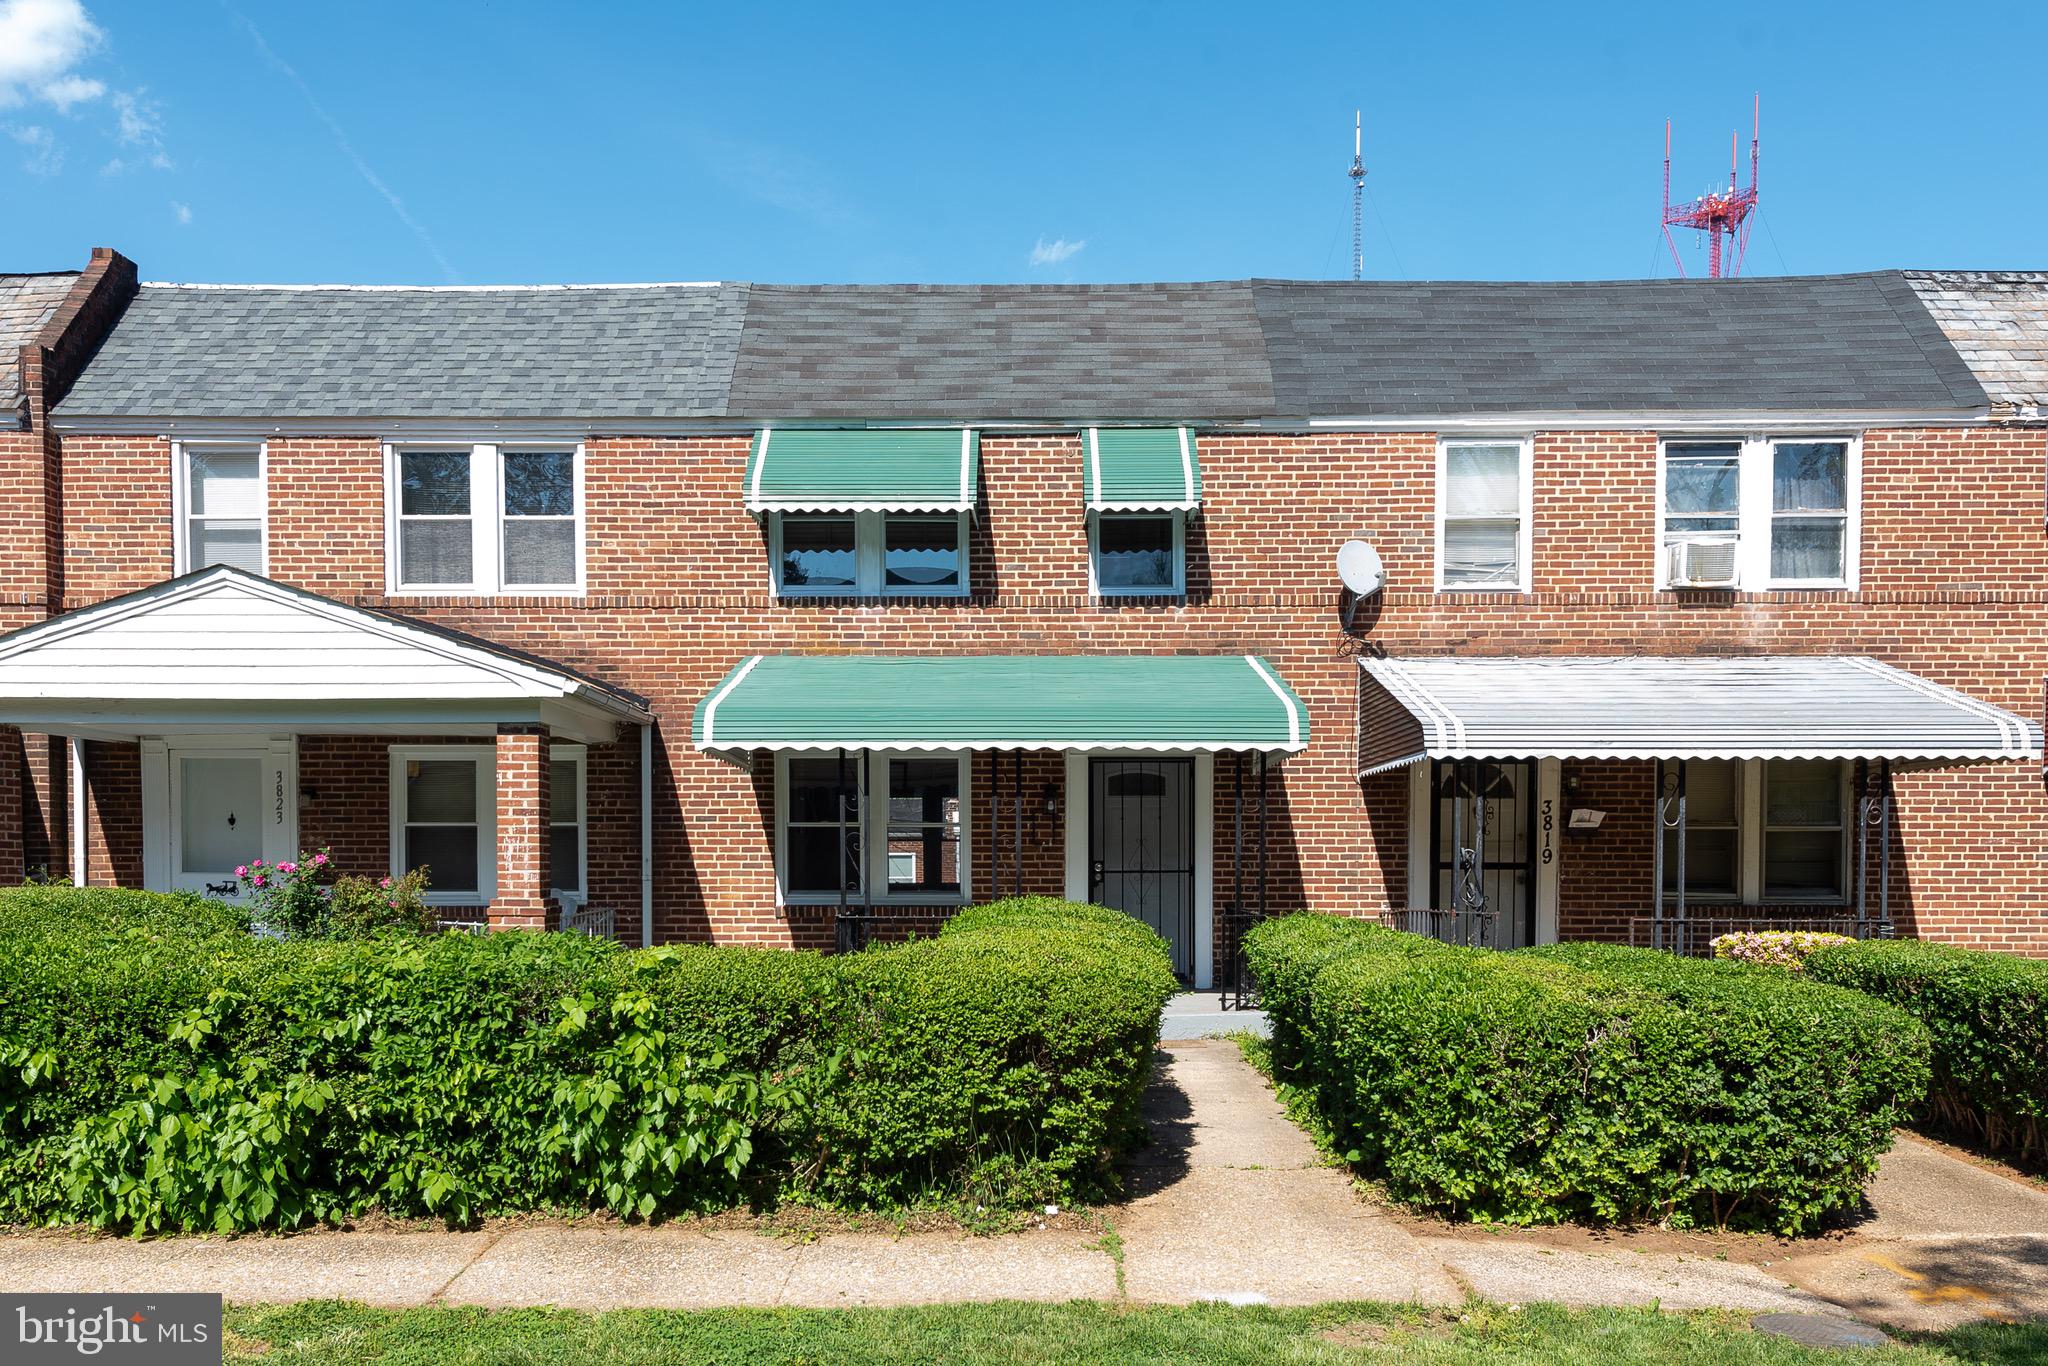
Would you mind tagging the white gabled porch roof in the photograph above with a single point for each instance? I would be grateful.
(224, 650)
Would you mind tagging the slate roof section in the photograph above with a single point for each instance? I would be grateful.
(26, 304)
(547, 352)
(1997, 320)
(1796, 343)
(968, 352)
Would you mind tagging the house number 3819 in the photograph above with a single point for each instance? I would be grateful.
(1549, 822)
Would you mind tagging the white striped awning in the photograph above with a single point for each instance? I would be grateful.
(1694, 707)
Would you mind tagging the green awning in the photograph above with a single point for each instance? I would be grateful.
(1150, 703)
(801, 470)
(1142, 469)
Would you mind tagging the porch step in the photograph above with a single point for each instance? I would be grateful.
(1199, 1014)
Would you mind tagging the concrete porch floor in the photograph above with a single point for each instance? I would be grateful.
(1200, 1014)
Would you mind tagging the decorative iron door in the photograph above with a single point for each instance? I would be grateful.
(1490, 807)
(1141, 846)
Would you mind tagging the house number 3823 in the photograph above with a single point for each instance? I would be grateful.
(277, 799)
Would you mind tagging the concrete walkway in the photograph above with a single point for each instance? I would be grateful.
(1228, 1203)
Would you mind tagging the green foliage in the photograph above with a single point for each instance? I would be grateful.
(161, 1068)
(306, 898)
(1585, 1081)
(1988, 1014)
(1006, 1057)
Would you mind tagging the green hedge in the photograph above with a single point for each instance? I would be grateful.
(1587, 1082)
(1988, 1014)
(162, 1069)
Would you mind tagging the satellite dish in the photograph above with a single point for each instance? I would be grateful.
(1363, 573)
(1359, 566)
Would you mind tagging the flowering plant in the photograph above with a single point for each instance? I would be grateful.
(1775, 948)
(306, 898)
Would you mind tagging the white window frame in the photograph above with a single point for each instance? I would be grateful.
(870, 530)
(486, 518)
(181, 499)
(485, 757)
(1750, 831)
(876, 860)
(1179, 586)
(1755, 517)
(1525, 489)
(562, 753)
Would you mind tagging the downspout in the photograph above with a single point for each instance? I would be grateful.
(646, 834)
(78, 811)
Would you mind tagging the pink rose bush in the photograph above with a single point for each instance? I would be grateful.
(305, 898)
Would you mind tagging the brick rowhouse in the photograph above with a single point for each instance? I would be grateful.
(1952, 585)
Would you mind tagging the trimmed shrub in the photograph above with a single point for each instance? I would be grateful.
(1587, 1082)
(161, 1068)
(1988, 1014)
(1786, 949)
(1006, 1057)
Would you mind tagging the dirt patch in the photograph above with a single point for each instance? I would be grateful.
(2025, 1176)
(1360, 1334)
(1752, 1249)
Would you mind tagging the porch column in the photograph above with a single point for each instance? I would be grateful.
(13, 768)
(524, 877)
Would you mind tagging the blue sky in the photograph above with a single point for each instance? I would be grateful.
(512, 141)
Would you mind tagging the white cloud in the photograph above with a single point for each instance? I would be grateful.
(181, 212)
(1052, 253)
(140, 126)
(40, 153)
(40, 42)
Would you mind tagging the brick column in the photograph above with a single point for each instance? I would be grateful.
(13, 770)
(523, 875)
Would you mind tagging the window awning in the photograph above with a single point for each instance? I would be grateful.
(1701, 707)
(1150, 703)
(1142, 469)
(895, 470)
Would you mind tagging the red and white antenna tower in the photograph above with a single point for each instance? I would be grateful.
(1717, 213)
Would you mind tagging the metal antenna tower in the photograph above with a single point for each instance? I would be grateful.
(1357, 174)
(1717, 213)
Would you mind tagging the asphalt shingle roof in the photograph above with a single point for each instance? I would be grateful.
(1001, 351)
(26, 303)
(596, 352)
(1186, 352)
(1383, 348)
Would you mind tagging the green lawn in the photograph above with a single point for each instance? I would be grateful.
(329, 1332)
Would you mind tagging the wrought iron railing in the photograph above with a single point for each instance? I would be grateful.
(1470, 929)
(856, 929)
(1694, 936)
(596, 921)
(1235, 984)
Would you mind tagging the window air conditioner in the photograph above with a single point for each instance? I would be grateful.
(1701, 562)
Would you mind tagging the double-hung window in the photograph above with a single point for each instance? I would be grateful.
(221, 506)
(1759, 513)
(1483, 516)
(913, 808)
(1762, 831)
(444, 820)
(568, 823)
(868, 554)
(1137, 554)
(485, 519)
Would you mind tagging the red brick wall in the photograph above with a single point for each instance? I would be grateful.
(1955, 586)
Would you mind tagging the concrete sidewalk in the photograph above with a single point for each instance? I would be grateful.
(1229, 1203)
